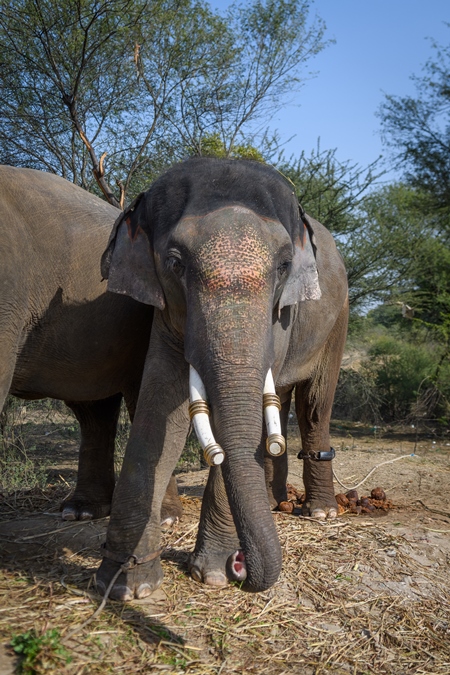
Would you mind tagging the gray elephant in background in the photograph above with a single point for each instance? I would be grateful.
(242, 281)
(62, 335)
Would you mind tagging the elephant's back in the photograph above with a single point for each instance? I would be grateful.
(52, 232)
(44, 200)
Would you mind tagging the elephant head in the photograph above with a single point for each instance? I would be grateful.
(223, 250)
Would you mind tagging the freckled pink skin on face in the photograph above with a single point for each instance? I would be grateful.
(238, 267)
(233, 270)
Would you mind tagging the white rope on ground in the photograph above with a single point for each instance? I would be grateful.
(389, 461)
(99, 608)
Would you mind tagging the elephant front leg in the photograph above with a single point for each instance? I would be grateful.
(156, 440)
(95, 480)
(216, 553)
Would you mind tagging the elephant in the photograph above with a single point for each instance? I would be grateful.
(62, 335)
(242, 282)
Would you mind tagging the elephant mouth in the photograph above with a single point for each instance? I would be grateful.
(199, 412)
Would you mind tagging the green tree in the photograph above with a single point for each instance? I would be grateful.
(417, 130)
(75, 89)
(273, 40)
(212, 145)
(336, 193)
(383, 248)
(123, 87)
(330, 190)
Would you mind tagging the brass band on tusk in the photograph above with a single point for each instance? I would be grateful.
(271, 399)
(275, 445)
(199, 412)
(213, 454)
(197, 407)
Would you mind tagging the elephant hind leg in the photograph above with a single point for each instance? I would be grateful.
(95, 482)
(171, 507)
(314, 401)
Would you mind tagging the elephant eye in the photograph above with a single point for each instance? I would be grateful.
(174, 264)
(283, 268)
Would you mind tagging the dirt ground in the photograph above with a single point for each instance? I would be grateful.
(363, 594)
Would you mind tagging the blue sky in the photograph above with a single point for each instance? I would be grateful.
(379, 45)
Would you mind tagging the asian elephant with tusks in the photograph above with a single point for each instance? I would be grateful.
(245, 286)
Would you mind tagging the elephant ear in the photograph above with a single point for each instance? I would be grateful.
(303, 280)
(128, 261)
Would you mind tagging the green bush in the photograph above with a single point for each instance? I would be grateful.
(396, 377)
(402, 374)
(356, 399)
(39, 652)
(18, 470)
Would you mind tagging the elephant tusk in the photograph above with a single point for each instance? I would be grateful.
(199, 414)
(275, 443)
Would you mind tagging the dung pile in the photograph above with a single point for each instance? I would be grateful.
(350, 502)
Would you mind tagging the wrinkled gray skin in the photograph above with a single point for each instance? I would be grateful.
(62, 335)
(218, 247)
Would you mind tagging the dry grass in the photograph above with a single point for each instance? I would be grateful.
(351, 599)
(355, 596)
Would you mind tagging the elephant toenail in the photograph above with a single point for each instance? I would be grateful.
(168, 522)
(122, 593)
(332, 513)
(196, 574)
(86, 515)
(68, 514)
(144, 590)
(319, 514)
(217, 579)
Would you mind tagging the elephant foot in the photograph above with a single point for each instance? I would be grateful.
(209, 570)
(320, 501)
(320, 509)
(135, 583)
(81, 508)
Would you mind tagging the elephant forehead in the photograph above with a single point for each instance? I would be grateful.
(227, 261)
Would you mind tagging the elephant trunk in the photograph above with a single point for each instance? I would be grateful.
(229, 342)
(236, 403)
